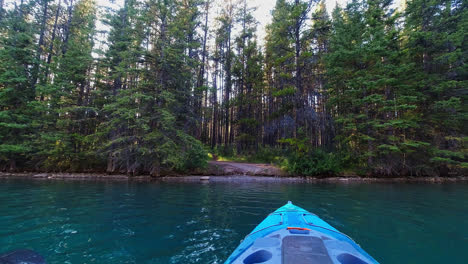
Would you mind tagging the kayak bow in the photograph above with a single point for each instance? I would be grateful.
(292, 235)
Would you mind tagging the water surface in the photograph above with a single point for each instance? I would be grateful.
(159, 222)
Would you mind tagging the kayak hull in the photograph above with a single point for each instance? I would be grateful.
(292, 235)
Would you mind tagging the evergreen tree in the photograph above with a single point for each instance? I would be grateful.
(315, 81)
(373, 105)
(436, 50)
(148, 133)
(226, 55)
(16, 92)
(373, 90)
(387, 103)
(287, 57)
(66, 147)
(120, 107)
(342, 63)
(247, 71)
(202, 110)
(279, 56)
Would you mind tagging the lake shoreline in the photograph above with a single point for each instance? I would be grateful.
(225, 178)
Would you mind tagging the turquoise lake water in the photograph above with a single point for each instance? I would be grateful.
(159, 222)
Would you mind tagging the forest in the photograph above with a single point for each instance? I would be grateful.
(157, 86)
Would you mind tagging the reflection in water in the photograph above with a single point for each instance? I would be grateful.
(116, 222)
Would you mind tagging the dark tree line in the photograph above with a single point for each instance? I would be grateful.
(154, 85)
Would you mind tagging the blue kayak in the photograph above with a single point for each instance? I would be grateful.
(292, 235)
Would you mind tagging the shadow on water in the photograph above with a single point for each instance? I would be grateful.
(192, 222)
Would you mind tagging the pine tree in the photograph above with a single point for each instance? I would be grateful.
(147, 130)
(224, 40)
(247, 71)
(315, 82)
(120, 90)
(202, 110)
(251, 121)
(388, 103)
(44, 80)
(279, 56)
(16, 92)
(373, 90)
(363, 68)
(437, 51)
(44, 4)
(66, 147)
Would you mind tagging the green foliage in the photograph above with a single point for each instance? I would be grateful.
(144, 129)
(16, 93)
(313, 163)
(224, 151)
(194, 155)
(265, 154)
(284, 92)
(296, 144)
(380, 90)
(371, 90)
(268, 155)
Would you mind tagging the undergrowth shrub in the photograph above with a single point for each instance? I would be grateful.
(313, 163)
(194, 155)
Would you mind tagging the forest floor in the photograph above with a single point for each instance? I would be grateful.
(241, 168)
(229, 171)
(214, 168)
(234, 177)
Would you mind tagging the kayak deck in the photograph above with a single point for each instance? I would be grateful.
(291, 235)
(304, 250)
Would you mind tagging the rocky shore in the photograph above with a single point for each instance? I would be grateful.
(225, 178)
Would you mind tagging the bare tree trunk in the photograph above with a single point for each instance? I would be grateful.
(51, 45)
(241, 127)
(67, 26)
(40, 44)
(201, 74)
(214, 103)
(227, 88)
(299, 93)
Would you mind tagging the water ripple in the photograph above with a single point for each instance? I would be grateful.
(160, 223)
